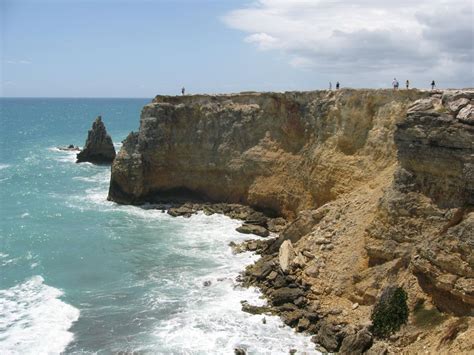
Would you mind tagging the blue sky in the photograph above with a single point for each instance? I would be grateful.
(106, 48)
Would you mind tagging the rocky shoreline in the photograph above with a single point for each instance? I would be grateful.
(288, 295)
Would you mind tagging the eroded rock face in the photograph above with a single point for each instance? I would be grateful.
(277, 152)
(426, 219)
(436, 148)
(99, 148)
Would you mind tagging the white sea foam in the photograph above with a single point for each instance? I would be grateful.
(211, 320)
(64, 156)
(4, 166)
(33, 320)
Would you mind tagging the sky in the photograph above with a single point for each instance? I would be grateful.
(141, 48)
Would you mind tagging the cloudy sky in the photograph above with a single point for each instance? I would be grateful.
(144, 47)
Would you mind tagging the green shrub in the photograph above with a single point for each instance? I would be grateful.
(390, 312)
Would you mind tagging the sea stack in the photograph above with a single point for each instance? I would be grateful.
(99, 148)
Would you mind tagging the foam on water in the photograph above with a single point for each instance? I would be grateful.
(4, 166)
(33, 319)
(211, 320)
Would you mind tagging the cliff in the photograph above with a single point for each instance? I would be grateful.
(278, 152)
(379, 186)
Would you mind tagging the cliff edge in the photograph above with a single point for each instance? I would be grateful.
(378, 186)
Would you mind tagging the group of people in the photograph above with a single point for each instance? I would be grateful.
(395, 84)
(337, 85)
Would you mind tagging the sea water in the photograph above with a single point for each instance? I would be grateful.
(82, 275)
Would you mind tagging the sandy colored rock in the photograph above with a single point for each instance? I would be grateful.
(286, 255)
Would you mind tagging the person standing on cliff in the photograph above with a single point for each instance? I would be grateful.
(407, 84)
(395, 84)
(182, 91)
(338, 85)
(433, 85)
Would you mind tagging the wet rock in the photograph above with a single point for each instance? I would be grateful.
(239, 351)
(253, 229)
(291, 318)
(99, 148)
(286, 254)
(70, 148)
(184, 211)
(206, 283)
(303, 324)
(246, 307)
(328, 337)
(285, 295)
(357, 343)
(261, 270)
(256, 218)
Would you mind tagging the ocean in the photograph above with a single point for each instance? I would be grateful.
(82, 275)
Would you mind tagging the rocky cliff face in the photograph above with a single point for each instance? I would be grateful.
(99, 148)
(378, 185)
(279, 152)
(426, 215)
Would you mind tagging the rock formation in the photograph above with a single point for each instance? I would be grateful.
(378, 186)
(99, 148)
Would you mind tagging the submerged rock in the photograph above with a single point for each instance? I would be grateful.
(70, 148)
(99, 148)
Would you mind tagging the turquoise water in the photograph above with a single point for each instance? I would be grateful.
(79, 274)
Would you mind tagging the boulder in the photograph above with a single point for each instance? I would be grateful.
(328, 337)
(466, 115)
(421, 105)
(286, 255)
(248, 308)
(99, 148)
(253, 229)
(184, 211)
(357, 343)
(285, 295)
(457, 105)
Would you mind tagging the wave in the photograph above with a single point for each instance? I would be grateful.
(210, 319)
(33, 319)
(4, 166)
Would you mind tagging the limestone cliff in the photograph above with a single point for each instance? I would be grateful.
(279, 152)
(378, 184)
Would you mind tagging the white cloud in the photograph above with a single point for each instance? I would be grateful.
(22, 61)
(364, 36)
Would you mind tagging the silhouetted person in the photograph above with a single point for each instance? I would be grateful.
(338, 85)
(407, 84)
(330, 86)
(433, 85)
(182, 91)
